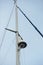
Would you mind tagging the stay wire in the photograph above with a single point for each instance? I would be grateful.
(30, 22)
(8, 50)
(6, 27)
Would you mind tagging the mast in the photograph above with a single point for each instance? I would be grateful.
(20, 44)
(19, 41)
(17, 49)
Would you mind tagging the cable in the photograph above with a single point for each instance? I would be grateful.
(6, 27)
(8, 50)
(30, 21)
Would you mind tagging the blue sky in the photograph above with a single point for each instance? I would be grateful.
(33, 53)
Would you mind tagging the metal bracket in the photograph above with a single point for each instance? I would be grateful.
(14, 32)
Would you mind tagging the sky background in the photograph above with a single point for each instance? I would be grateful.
(33, 53)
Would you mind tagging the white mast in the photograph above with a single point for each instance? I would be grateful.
(19, 41)
(17, 49)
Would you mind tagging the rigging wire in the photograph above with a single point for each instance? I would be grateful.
(8, 50)
(30, 21)
(6, 27)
